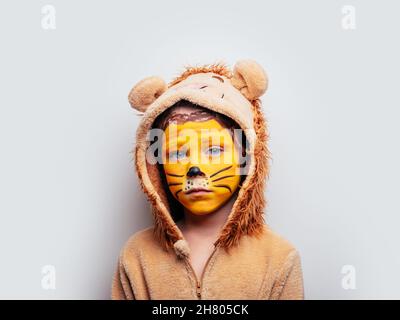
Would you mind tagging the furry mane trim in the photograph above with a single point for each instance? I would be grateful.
(217, 68)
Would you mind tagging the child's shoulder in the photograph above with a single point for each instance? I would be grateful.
(139, 240)
(277, 246)
(275, 240)
(140, 236)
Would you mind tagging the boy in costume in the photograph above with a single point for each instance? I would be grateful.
(202, 159)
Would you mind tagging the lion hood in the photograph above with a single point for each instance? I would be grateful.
(235, 94)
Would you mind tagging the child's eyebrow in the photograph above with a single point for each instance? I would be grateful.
(176, 141)
(215, 140)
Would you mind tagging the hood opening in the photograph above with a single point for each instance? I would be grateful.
(246, 217)
(176, 209)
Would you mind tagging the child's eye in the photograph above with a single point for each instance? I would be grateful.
(214, 151)
(177, 155)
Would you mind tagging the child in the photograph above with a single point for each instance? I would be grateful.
(202, 159)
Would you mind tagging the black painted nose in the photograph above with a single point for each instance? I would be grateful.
(194, 171)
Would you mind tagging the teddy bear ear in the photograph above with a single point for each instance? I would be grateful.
(250, 79)
(145, 92)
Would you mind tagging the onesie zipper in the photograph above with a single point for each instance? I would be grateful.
(200, 282)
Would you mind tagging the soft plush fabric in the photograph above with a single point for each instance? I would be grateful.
(249, 260)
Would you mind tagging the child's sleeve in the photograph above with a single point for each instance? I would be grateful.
(291, 279)
(121, 287)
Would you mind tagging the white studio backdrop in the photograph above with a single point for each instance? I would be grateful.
(69, 194)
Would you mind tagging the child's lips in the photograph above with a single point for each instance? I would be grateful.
(197, 191)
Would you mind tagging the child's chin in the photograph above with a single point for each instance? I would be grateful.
(202, 208)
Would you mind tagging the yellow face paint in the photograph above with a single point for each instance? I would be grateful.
(200, 161)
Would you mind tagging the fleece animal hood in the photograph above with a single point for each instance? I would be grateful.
(249, 261)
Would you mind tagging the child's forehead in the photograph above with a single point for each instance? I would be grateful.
(207, 127)
(210, 130)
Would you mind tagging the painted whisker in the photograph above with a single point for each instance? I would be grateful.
(174, 175)
(176, 193)
(224, 177)
(175, 184)
(219, 171)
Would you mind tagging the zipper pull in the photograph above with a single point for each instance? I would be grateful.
(198, 290)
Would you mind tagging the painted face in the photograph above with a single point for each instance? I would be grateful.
(201, 164)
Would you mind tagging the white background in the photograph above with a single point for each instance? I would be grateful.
(69, 194)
